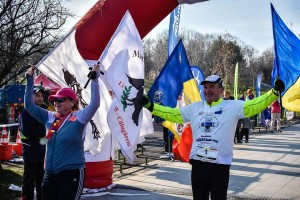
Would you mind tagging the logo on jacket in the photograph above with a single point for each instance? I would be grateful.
(208, 123)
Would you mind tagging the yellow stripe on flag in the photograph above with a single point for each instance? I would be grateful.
(191, 91)
(291, 98)
(172, 127)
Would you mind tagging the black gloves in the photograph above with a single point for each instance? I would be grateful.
(145, 102)
(279, 85)
(92, 75)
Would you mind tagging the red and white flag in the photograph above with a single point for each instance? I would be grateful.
(65, 66)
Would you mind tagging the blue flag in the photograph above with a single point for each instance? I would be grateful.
(258, 84)
(176, 76)
(174, 29)
(199, 77)
(286, 62)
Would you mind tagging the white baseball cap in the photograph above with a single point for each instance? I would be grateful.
(213, 79)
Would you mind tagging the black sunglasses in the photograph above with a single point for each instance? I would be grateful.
(60, 100)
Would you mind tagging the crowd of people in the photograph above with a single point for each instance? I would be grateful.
(58, 168)
(245, 125)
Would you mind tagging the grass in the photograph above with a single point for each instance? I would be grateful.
(10, 173)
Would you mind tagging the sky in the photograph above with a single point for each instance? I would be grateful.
(249, 20)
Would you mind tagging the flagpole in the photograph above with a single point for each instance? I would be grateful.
(276, 58)
(236, 81)
(275, 47)
(173, 40)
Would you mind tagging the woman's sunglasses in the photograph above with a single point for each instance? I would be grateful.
(60, 100)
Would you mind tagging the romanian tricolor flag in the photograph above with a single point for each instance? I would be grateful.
(286, 62)
(174, 82)
(176, 76)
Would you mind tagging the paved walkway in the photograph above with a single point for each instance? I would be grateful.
(268, 167)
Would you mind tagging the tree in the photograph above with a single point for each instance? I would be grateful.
(248, 68)
(196, 46)
(28, 30)
(224, 54)
(266, 63)
(159, 55)
(148, 56)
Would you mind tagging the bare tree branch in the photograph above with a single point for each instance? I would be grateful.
(28, 30)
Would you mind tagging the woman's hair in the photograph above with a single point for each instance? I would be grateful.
(76, 106)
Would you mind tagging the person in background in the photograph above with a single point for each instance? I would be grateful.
(244, 130)
(227, 96)
(275, 115)
(213, 124)
(65, 161)
(33, 152)
(237, 133)
(242, 97)
(245, 125)
(168, 140)
(250, 95)
(267, 116)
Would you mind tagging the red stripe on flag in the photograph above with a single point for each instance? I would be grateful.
(181, 151)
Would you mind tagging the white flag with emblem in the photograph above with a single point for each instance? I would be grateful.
(123, 61)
